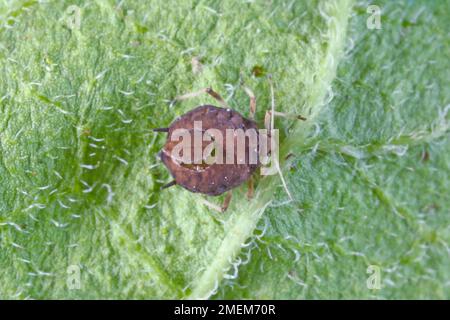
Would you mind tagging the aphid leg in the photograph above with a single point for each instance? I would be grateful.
(211, 205)
(217, 96)
(227, 201)
(250, 190)
(252, 97)
(189, 95)
(267, 121)
(288, 115)
(209, 91)
(269, 125)
(221, 209)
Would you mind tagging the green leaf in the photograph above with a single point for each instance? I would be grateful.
(80, 180)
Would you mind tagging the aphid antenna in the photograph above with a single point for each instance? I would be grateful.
(160, 129)
(272, 125)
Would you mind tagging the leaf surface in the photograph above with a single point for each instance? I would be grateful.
(80, 180)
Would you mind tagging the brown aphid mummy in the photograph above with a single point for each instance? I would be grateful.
(216, 178)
